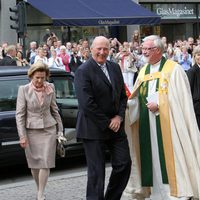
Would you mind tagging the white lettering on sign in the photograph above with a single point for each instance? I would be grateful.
(108, 22)
(174, 11)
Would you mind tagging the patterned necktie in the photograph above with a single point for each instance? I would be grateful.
(105, 71)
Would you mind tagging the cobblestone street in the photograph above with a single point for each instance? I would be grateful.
(68, 187)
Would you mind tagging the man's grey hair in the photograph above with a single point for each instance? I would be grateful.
(102, 38)
(156, 40)
(33, 43)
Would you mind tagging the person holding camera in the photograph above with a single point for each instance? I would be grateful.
(126, 62)
(51, 39)
(55, 61)
(21, 61)
(112, 55)
(75, 60)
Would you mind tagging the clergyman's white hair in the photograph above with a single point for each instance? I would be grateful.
(156, 40)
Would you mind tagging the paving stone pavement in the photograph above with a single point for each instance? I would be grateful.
(65, 187)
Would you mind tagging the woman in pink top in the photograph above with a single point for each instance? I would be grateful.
(65, 57)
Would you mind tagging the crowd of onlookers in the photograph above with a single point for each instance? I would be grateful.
(72, 54)
(53, 53)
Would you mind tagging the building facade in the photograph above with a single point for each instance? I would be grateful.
(6, 34)
(179, 20)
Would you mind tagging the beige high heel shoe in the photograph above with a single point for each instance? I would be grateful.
(42, 198)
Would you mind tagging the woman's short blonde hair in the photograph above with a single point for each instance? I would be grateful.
(196, 50)
(62, 47)
(10, 48)
(39, 66)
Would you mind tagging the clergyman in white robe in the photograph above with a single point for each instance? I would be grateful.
(185, 138)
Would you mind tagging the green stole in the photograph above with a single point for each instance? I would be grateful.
(144, 135)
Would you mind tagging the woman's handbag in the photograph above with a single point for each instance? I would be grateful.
(60, 149)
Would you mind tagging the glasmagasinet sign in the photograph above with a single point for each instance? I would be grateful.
(175, 11)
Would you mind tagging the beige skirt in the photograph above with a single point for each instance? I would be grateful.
(41, 149)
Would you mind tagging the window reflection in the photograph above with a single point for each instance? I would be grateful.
(8, 93)
(64, 88)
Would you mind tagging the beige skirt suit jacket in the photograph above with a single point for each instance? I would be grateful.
(40, 123)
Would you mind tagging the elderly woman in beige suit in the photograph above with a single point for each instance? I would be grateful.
(38, 124)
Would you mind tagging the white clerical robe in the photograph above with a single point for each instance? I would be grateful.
(185, 140)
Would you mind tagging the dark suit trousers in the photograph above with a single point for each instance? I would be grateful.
(121, 166)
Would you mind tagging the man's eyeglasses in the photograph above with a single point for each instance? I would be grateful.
(148, 49)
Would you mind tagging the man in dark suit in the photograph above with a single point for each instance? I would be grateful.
(75, 60)
(9, 59)
(100, 124)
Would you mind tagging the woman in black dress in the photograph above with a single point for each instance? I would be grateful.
(194, 79)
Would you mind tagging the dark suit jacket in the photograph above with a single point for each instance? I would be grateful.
(8, 61)
(99, 100)
(74, 65)
(194, 79)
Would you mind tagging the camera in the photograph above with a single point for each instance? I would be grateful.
(51, 34)
(113, 50)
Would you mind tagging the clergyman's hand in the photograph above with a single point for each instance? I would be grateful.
(152, 106)
(115, 123)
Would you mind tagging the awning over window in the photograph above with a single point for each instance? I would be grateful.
(95, 12)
